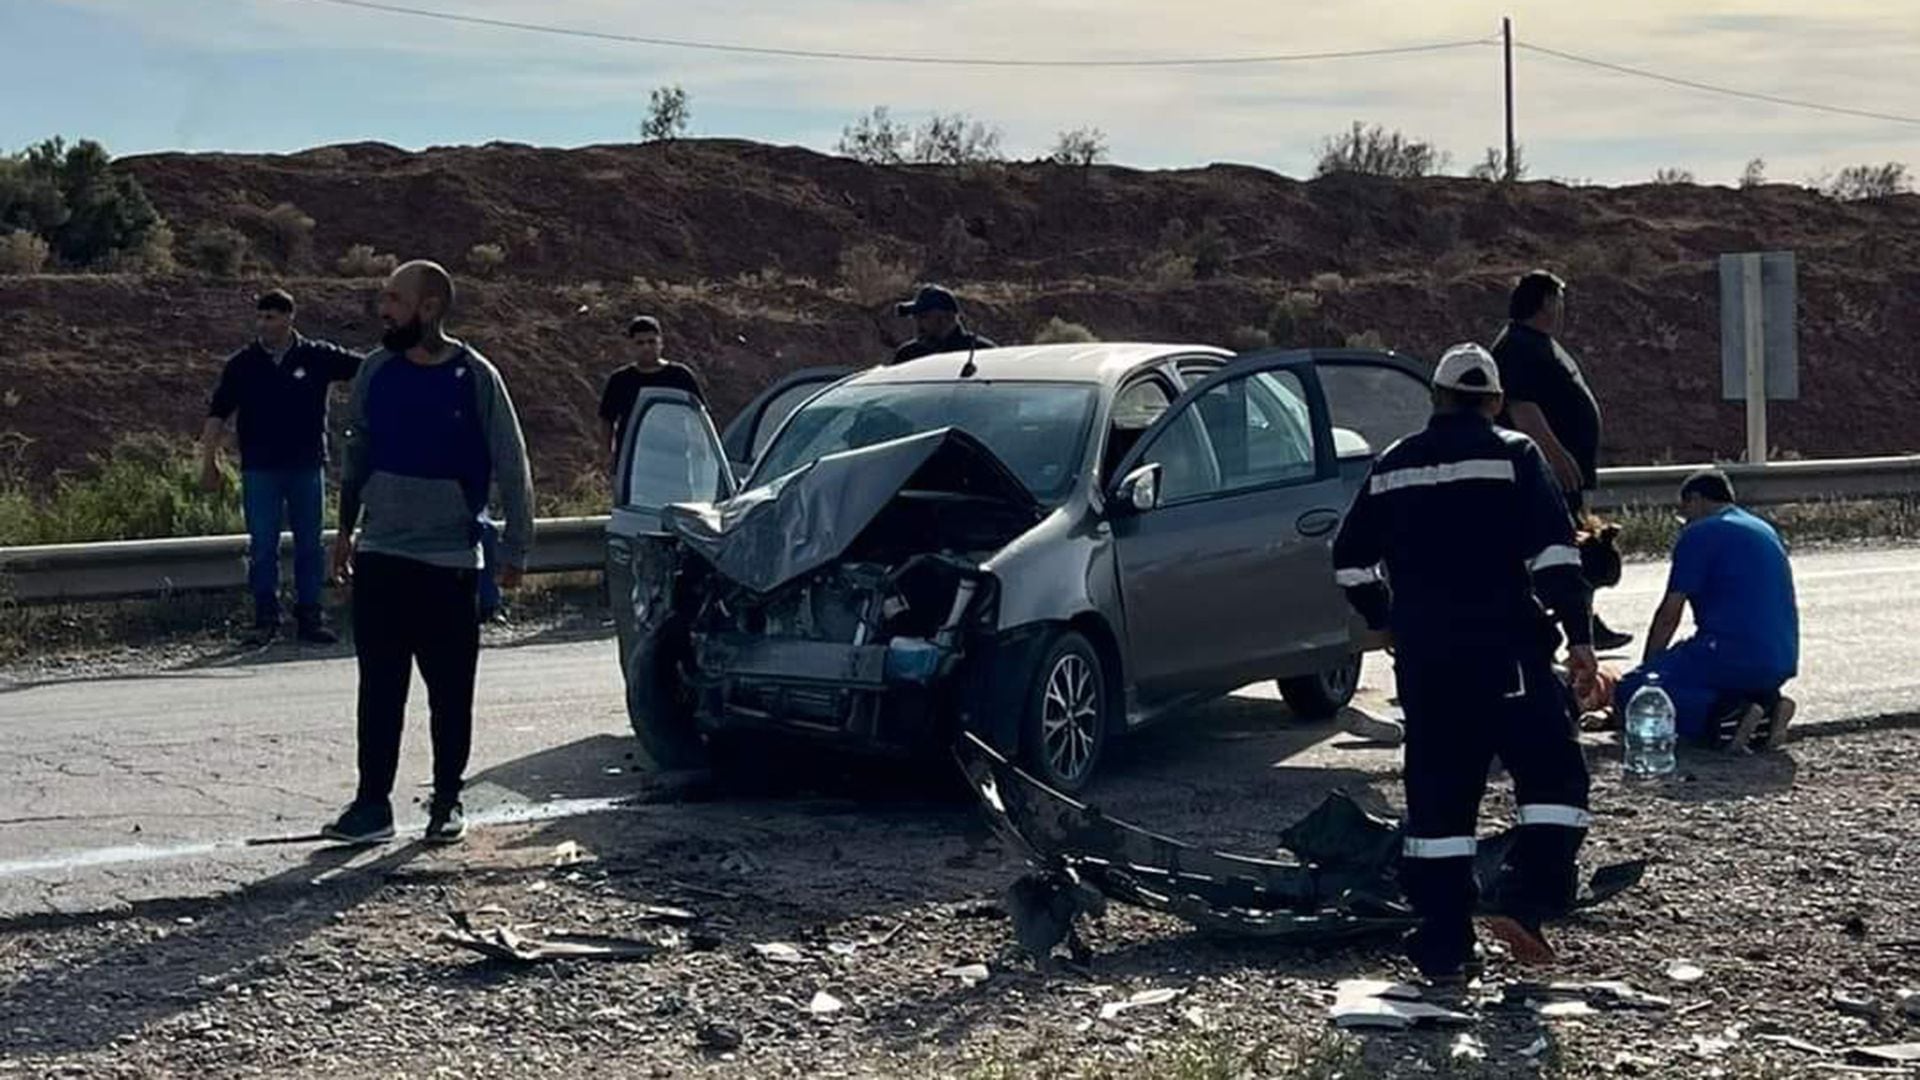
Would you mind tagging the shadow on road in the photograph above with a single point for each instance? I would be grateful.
(137, 978)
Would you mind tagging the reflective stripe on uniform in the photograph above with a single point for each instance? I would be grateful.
(1354, 578)
(1431, 475)
(1570, 817)
(1439, 847)
(1557, 555)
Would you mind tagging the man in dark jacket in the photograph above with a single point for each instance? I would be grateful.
(1451, 547)
(937, 326)
(1549, 401)
(278, 386)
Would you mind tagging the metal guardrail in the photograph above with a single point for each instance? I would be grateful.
(146, 568)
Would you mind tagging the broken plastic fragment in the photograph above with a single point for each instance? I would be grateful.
(779, 952)
(968, 974)
(1564, 1010)
(824, 1003)
(1685, 971)
(1373, 1012)
(1144, 998)
(1468, 1048)
(1535, 1048)
(1350, 989)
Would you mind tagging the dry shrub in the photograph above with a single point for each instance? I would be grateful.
(22, 253)
(361, 261)
(1167, 270)
(287, 231)
(1290, 315)
(1245, 339)
(1059, 331)
(873, 278)
(486, 259)
(220, 250)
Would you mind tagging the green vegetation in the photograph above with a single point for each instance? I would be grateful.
(145, 486)
(669, 114)
(72, 198)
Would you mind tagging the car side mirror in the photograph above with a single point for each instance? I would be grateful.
(1349, 445)
(1140, 491)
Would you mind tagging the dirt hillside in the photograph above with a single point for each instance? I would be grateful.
(742, 250)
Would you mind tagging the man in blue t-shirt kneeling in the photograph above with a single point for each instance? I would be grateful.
(1732, 569)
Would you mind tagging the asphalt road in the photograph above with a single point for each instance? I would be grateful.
(138, 787)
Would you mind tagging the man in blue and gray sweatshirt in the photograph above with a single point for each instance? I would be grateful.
(430, 429)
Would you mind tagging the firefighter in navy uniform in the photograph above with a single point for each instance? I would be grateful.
(1455, 548)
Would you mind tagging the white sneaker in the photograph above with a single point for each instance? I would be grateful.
(1365, 725)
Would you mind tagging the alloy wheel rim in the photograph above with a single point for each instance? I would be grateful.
(1070, 717)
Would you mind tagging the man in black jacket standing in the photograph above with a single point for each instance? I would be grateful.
(278, 386)
(1549, 401)
(1454, 544)
(937, 326)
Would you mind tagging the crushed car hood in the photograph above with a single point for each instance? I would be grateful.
(774, 533)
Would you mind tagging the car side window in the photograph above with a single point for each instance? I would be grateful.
(776, 413)
(1381, 402)
(1135, 408)
(674, 458)
(1187, 466)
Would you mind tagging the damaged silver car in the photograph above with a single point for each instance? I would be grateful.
(1046, 546)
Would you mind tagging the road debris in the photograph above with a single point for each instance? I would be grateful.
(1338, 884)
(779, 952)
(825, 1004)
(569, 853)
(1467, 1047)
(1685, 971)
(719, 1038)
(970, 975)
(503, 943)
(1373, 1003)
(1140, 1000)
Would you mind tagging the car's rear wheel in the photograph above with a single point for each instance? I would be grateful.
(1065, 727)
(1322, 695)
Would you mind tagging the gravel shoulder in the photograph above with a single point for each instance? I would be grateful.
(1786, 878)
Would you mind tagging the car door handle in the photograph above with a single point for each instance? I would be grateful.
(1318, 522)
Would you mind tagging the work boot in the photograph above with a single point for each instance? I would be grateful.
(446, 822)
(1607, 639)
(364, 822)
(311, 627)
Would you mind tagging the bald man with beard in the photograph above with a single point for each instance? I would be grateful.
(430, 432)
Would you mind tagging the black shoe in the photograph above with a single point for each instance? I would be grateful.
(1606, 638)
(363, 823)
(312, 629)
(446, 823)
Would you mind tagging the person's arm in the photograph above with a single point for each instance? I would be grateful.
(355, 465)
(1528, 419)
(507, 446)
(1691, 556)
(1666, 623)
(609, 416)
(340, 363)
(226, 398)
(1358, 550)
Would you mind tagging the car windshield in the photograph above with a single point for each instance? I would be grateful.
(1039, 430)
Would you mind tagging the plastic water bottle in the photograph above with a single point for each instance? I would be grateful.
(1649, 733)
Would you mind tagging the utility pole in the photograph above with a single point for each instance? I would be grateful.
(1506, 39)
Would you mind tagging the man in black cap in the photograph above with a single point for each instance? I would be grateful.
(937, 326)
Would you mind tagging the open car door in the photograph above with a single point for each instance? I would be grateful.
(670, 454)
(1223, 516)
(755, 426)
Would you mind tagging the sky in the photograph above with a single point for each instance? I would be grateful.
(284, 75)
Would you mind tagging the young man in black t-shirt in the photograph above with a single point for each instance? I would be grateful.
(649, 370)
(1548, 399)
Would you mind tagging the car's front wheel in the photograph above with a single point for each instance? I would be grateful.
(1322, 695)
(1065, 726)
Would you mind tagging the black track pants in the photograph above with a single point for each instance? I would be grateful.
(406, 613)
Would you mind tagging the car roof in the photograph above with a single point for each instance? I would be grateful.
(1103, 362)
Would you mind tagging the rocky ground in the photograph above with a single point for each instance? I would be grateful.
(1788, 880)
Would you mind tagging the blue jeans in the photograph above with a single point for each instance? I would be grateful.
(1700, 680)
(270, 497)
